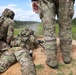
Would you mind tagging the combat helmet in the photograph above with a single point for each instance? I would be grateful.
(8, 13)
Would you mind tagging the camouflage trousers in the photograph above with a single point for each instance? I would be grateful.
(64, 11)
(22, 56)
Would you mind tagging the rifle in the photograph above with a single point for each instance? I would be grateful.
(40, 42)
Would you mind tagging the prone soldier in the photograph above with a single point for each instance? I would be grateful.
(20, 51)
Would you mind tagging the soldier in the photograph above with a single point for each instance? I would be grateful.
(6, 29)
(64, 10)
(20, 51)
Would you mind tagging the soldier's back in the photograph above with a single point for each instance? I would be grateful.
(4, 27)
(7, 21)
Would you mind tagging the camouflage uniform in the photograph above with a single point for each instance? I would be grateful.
(20, 51)
(64, 10)
(6, 28)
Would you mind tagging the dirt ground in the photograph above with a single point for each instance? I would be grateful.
(39, 58)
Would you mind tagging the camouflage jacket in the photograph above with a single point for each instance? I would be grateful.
(7, 29)
(26, 39)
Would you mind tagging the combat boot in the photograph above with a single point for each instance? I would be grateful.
(52, 63)
(67, 59)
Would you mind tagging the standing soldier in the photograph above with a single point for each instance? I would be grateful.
(64, 10)
(6, 29)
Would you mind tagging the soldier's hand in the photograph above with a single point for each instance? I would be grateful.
(35, 7)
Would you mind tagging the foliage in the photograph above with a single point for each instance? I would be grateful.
(39, 31)
(74, 21)
(20, 24)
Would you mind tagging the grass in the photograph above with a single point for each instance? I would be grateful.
(39, 68)
(70, 73)
(74, 31)
(40, 31)
(61, 66)
(66, 69)
(16, 32)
